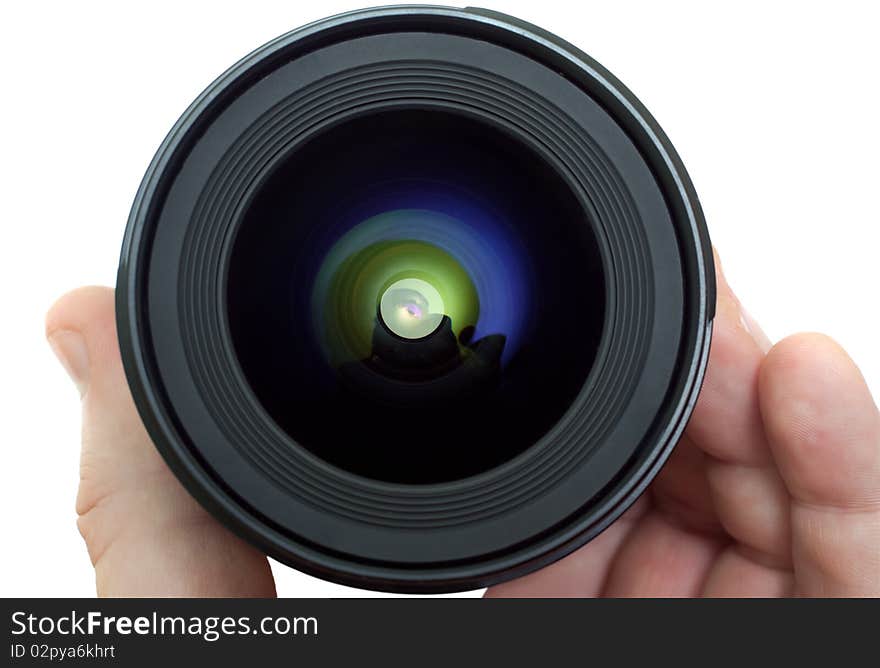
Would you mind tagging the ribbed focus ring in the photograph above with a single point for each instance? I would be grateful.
(594, 179)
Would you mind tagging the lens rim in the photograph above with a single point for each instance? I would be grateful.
(134, 324)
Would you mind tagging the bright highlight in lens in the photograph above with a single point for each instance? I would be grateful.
(405, 284)
(411, 308)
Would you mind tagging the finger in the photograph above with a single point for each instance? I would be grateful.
(582, 573)
(663, 559)
(752, 504)
(738, 575)
(726, 422)
(145, 534)
(682, 489)
(747, 493)
(824, 431)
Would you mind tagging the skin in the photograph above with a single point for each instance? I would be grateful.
(773, 491)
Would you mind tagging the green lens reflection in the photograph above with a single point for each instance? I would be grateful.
(409, 284)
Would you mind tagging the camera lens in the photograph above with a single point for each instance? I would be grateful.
(416, 298)
(425, 308)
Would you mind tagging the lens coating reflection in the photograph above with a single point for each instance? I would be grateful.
(425, 309)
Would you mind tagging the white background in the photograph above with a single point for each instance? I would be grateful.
(774, 108)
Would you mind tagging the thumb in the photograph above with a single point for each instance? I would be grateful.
(146, 536)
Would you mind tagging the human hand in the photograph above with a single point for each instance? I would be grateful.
(774, 490)
(145, 534)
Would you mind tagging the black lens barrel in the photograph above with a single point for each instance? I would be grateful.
(525, 443)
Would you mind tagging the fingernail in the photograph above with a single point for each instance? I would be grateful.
(754, 329)
(70, 348)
